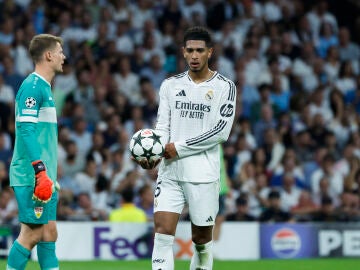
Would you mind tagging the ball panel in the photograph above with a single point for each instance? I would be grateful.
(145, 143)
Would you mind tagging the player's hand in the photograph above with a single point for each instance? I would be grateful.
(170, 151)
(44, 186)
(147, 165)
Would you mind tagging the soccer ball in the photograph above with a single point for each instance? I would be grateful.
(146, 144)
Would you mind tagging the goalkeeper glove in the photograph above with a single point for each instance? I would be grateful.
(44, 186)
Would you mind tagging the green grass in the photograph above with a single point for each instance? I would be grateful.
(308, 264)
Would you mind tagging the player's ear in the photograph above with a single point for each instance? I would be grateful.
(210, 52)
(48, 56)
(183, 51)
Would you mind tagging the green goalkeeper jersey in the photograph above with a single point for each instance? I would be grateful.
(35, 131)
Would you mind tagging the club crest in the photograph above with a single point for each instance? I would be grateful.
(38, 211)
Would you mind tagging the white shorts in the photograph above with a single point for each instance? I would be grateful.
(202, 199)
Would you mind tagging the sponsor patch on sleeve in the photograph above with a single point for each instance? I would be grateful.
(28, 112)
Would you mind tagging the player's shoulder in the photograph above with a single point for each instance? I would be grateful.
(221, 79)
(177, 77)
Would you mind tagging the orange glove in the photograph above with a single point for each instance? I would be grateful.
(44, 186)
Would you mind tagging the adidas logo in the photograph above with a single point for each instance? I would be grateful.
(209, 219)
(181, 94)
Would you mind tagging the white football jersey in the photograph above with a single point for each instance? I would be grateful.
(197, 117)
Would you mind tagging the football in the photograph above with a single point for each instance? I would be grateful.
(145, 143)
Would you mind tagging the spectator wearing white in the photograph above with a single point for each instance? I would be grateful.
(22, 60)
(327, 169)
(303, 67)
(274, 148)
(289, 192)
(243, 153)
(272, 11)
(332, 64)
(348, 50)
(149, 28)
(121, 10)
(6, 93)
(123, 40)
(189, 7)
(128, 81)
(141, 11)
(253, 66)
(319, 14)
(319, 106)
(81, 136)
(66, 82)
(87, 178)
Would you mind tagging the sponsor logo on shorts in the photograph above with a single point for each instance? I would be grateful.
(209, 219)
(158, 260)
(38, 211)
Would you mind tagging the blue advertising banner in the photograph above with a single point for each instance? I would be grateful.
(285, 241)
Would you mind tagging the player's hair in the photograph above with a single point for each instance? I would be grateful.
(40, 44)
(198, 33)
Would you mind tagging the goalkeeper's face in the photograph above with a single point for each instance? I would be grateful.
(57, 58)
(197, 55)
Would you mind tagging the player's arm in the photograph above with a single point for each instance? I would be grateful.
(162, 126)
(27, 115)
(217, 134)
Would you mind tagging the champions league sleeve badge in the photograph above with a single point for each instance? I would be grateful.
(30, 102)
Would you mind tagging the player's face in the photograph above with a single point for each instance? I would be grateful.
(57, 58)
(197, 55)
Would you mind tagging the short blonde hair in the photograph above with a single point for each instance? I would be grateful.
(41, 43)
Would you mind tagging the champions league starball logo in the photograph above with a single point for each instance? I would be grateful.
(285, 243)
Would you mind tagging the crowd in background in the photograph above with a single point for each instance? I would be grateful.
(294, 151)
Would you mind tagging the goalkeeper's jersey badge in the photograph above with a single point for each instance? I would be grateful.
(38, 211)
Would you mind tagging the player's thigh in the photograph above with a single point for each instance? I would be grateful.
(169, 201)
(203, 200)
(169, 196)
(30, 211)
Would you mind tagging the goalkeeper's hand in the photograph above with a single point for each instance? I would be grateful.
(44, 186)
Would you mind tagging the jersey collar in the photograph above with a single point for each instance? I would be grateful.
(41, 77)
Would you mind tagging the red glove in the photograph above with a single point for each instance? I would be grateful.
(44, 186)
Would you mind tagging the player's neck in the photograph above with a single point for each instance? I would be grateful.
(45, 72)
(203, 75)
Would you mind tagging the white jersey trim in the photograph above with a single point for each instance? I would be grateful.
(47, 114)
(31, 119)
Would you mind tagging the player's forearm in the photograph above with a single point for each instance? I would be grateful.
(27, 131)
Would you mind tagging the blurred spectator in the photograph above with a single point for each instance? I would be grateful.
(326, 212)
(10, 75)
(242, 211)
(8, 207)
(146, 201)
(73, 162)
(274, 213)
(128, 81)
(327, 170)
(85, 211)
(128, 211)
(5, 150)
(305, 207)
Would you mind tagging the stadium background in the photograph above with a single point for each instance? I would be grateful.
(296, 67)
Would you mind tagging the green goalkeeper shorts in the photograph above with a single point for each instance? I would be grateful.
(33, 212)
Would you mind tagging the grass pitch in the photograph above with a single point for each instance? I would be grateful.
(308, 264)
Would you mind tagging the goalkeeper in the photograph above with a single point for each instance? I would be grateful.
(34, 164)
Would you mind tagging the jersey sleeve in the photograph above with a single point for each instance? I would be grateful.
(28, 107)
(164, 113)
(217, 134)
